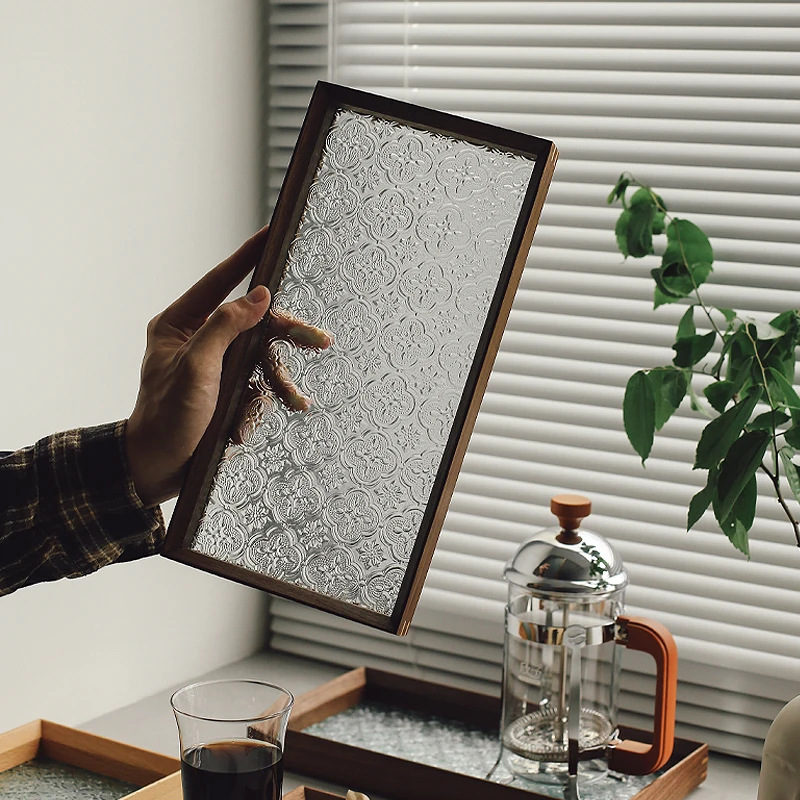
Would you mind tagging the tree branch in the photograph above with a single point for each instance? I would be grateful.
(779, 496)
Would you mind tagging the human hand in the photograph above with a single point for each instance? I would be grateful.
(182, 366)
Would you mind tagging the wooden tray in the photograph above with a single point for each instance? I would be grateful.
(158, 774)
(401, 779)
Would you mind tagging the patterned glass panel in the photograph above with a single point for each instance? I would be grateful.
(398, 255)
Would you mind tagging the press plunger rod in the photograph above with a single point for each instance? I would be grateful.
(576, 640)
(563, 711)
(570, 510)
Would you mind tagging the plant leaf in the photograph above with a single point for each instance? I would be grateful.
(736, 525)
(718, 436)
(786, 319)
(659, 298)
(792, 436)
(790, 470)
(691, 239)
(643, 196)
(692, 349)
(621, 232)
(675, 280)
(686, 326)
(790, 398)
(783, 354)
(639, 414)
(702, 500)
(762, 330)
(719, 394)
(744, 509)
(687, 260)
(695, 404)
(768, 420)
(780, 353)
(738, 467)
(728, 313)
(669, 389)
(687, 246)
(738, 537)
(673, 289)
(620, 187)
(740, 353)
(640, 229)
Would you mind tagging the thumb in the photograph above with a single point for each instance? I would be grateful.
(227, 322)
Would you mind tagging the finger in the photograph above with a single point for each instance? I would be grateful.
(209, 344)
(279, 380)
(195, 305)
(250, 414)
(285, 326)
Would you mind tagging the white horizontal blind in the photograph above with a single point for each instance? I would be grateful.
(702, 100)
(296, 55)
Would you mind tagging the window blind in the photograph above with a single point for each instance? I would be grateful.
(702, 101)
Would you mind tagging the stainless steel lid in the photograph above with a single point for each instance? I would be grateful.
(567, 559)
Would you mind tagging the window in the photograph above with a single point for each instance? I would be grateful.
(700, 99)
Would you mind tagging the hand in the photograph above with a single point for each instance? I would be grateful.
(182, 367)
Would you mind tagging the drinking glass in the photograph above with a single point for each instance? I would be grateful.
(231, 739)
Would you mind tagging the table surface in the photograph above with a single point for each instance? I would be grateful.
(150, 723)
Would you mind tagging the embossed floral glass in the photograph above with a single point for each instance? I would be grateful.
(403, 250)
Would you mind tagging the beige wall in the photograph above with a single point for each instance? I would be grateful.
(128, 166)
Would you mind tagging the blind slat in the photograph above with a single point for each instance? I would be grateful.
(453, 12)
(677, 60)
(577, 81)
(720, 37)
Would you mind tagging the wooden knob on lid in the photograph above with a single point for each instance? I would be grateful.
(570, 510)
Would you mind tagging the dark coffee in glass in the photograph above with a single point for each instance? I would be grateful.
(232, 770)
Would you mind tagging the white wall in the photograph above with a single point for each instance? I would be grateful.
(128, 167)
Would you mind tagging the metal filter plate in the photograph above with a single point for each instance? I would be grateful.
(542, 736)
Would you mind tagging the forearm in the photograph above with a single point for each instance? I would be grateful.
(69, 507)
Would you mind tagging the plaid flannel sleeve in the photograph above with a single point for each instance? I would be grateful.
(68, 507)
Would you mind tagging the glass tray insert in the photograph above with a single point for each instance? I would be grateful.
(46, 779)
(452, 745)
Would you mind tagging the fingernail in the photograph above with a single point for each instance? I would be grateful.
(257, 295)
(298, 402)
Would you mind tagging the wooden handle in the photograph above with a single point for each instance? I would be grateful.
(637, 758)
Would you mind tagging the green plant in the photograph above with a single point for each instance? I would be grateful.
(742, 367)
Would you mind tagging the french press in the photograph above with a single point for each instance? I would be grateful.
(562, 666)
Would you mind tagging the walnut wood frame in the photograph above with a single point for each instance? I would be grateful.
(400, 779)
(326, 101)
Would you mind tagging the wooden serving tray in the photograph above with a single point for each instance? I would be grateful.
(402, 779)
(159, 775)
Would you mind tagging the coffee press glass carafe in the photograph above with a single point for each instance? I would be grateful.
(562, 667)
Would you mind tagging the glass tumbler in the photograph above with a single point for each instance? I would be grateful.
(231, 739)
